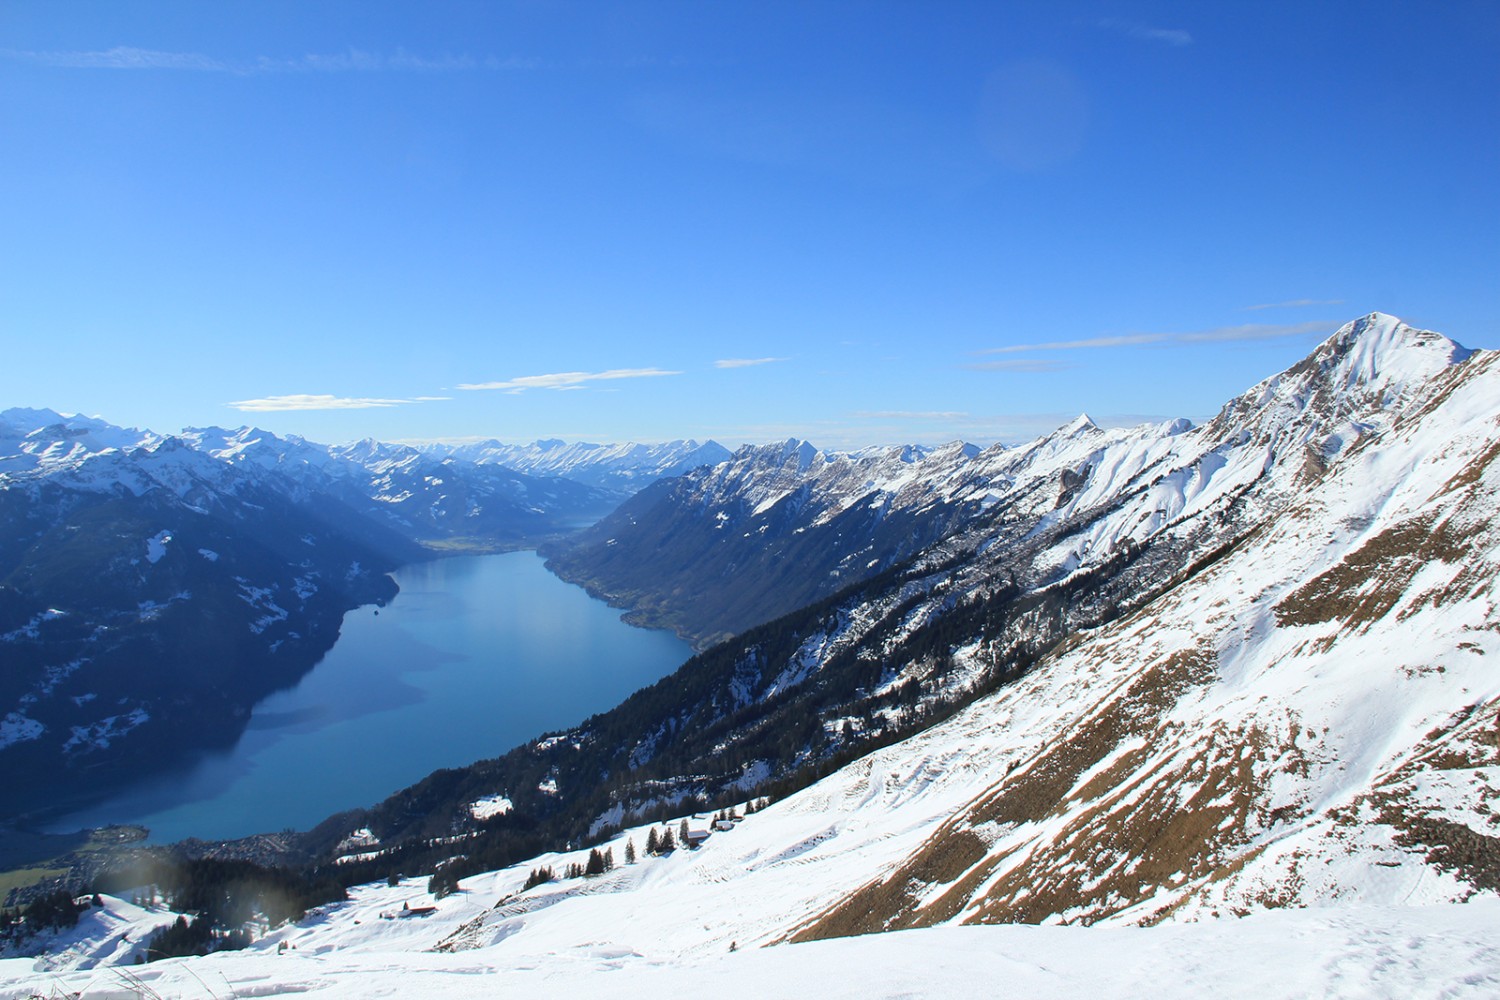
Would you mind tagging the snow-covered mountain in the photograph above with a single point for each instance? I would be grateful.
(42, 439)
(448, 501)
(776, 527)
(1165, 648)
(623, 468)
(769, 530)
(1148, 677)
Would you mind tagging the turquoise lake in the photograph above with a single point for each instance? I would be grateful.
(475, 655)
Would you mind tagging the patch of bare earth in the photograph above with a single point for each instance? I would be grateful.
(1164, 807)
(1372, 579)
(1460, 833)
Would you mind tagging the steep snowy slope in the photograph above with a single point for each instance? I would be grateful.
(1141, 515)
(1310, 719)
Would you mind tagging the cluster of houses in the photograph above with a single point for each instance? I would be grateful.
(695, 830)
(699, 829)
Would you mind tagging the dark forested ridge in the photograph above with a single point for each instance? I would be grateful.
(709, 563)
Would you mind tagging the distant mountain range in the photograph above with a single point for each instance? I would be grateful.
(153, 588)
(623, 468)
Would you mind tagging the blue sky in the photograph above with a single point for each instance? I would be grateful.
(856, 223)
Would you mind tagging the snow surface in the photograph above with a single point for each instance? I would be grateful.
(490, 807)
(156, 546)
(1355, 952)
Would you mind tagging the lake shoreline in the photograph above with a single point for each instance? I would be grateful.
(520, 621)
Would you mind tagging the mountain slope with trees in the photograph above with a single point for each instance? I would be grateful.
(1133, 561)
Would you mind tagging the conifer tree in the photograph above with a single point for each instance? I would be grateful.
(653, 843)
(630, 851)
(682, 833)
(667, 842)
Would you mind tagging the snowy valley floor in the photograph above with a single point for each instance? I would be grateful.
(1439, 951)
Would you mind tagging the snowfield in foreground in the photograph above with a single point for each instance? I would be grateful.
(1440, 951)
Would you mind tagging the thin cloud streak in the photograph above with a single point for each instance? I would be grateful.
(910, 415)
(1145, 32)
(279, 404)
(1129, 340)
(1223, 334)
(1255, 331)
(1030, 366)
(353, 61)
(121, 57)
(1296, 304)
(745, 362)
(563, 381)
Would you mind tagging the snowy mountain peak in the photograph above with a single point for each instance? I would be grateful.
(25, 418)
(1081, 424)
(171, 443)
(803, 451)
(953, 451)
(1380, 351)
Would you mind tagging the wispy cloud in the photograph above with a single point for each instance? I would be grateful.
(351, 61)
(1296, 304)
(272, 404)
(1254, 331)
(745, 362)
(121, 57)
(1030, 366)
(1129, 340)
(879, 429)
(565, 380)
(911, 415)
(1146, 32)
(1223, 334)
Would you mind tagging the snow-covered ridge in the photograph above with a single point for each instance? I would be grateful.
(1114, 489)
(626, 467)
